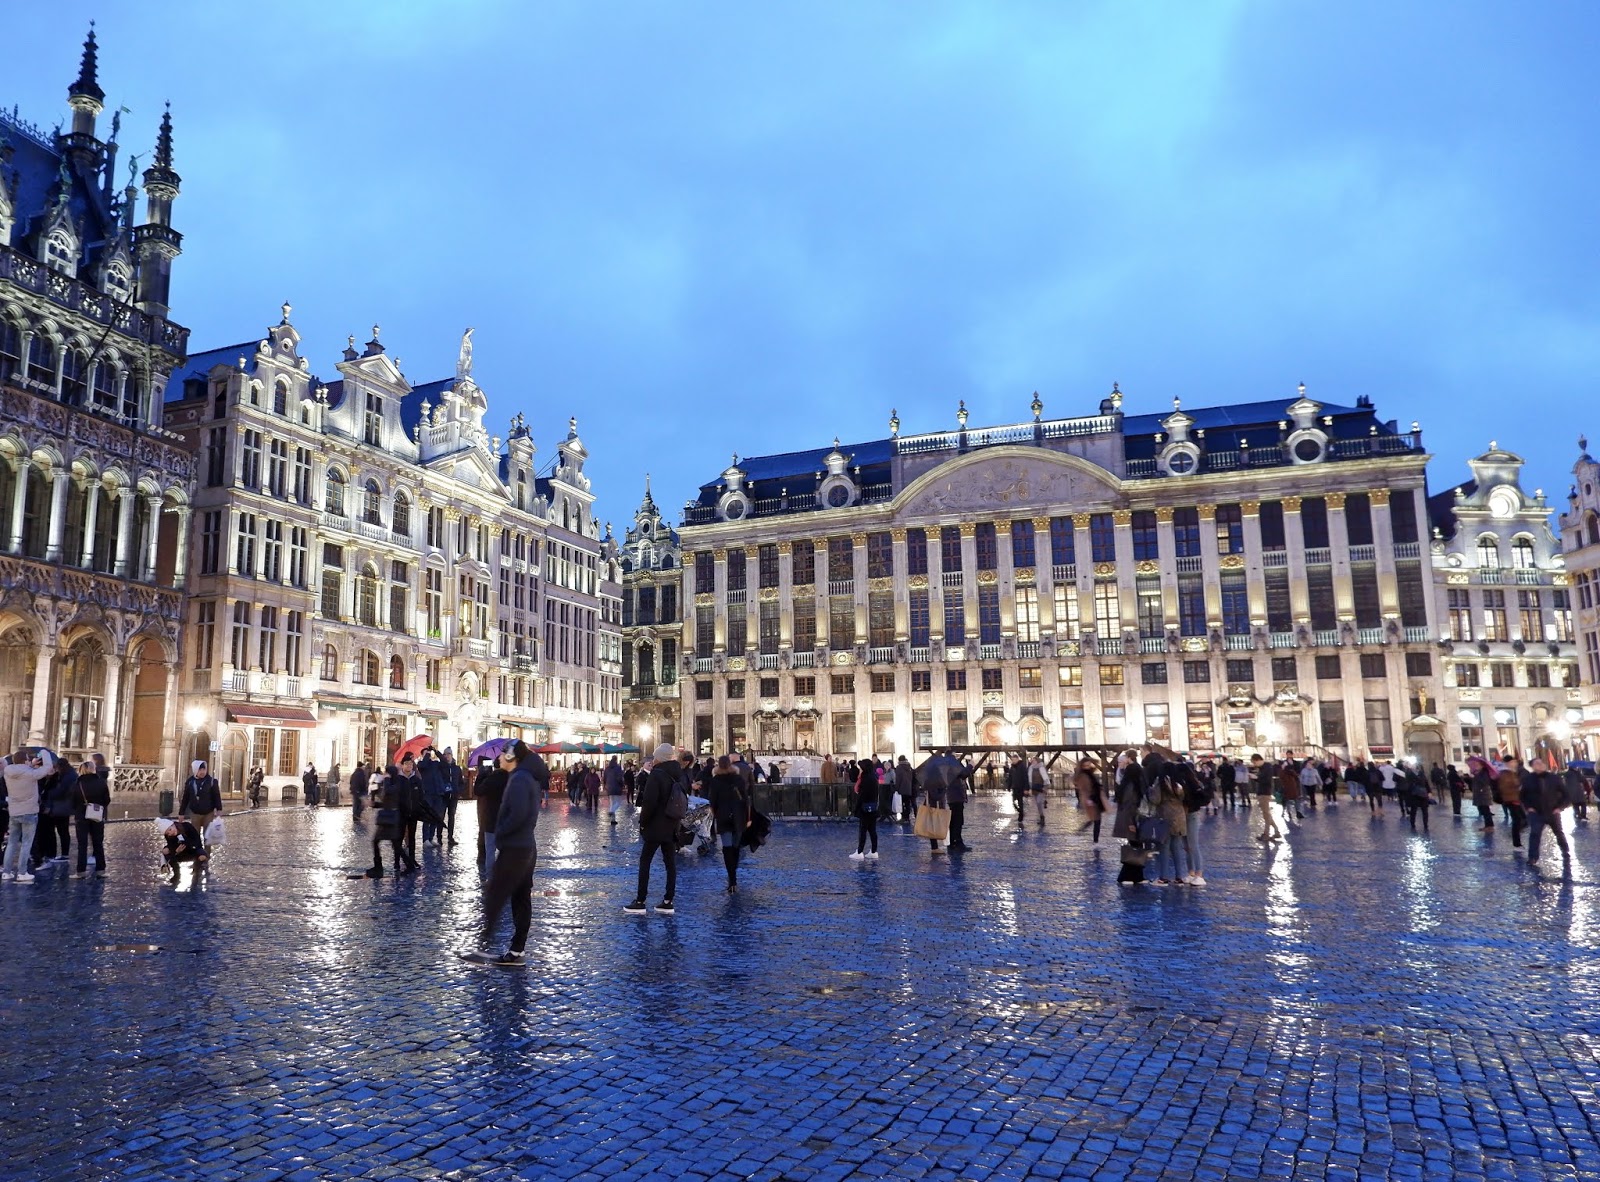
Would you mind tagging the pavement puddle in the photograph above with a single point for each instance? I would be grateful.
(131, 949)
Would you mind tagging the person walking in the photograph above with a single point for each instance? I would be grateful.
(1038, 788)
(663, 803)
(1417, 799)
(360, 779)
(516, 852)
(94, 799)
(388, 798)
(202, 798)
(24, 771)
(1017, 785)
(1577, 793)
(1091, 795)
(1543, 797)
(1483, 792)
(253, 784)
(865, 792)
(615, 788)
(1289, 786)
(730, 805)
(1310, 781)
(1509, 782)
(1262, 783)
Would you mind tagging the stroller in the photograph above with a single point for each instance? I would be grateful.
(698, 827)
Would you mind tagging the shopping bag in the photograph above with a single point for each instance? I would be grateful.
(933, 822)
(215, 833)
(896, 805)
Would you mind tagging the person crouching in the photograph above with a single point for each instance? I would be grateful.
(184, 844)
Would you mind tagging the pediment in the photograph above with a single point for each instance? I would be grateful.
(984, 485)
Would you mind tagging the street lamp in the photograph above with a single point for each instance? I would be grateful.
(644, 733)
(195, 718)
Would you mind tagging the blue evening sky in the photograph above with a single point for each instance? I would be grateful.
(707, 228)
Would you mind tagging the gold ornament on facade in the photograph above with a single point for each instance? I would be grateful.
(1023, 576)
(1379, 497)
(1163, 516)
(1041, 524)
(1231, 562)
(1335, 500)
(968, 529)
(859, 539)
(1194, 644)
(1250, 508)
(768, 595)
(884, 583)
(1207, 512)
(706, 599)
(735, 664)
(1148, 566)
(1080, 521)
(1291, 504)
(719, 554)
(1458, 580)
(988, 578)
(842, 658)
(1122, 516)
(897, 534)
(917, 582)
(1105, 568)
(785, 547)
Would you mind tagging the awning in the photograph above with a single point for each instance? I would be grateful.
(250, 714)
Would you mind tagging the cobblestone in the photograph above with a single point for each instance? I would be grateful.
(1358, 1003)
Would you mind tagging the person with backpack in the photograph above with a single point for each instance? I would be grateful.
(94, 799)
(865, 792)
(202, 798)
(389, 825)
(730, 805)
(516, 852)
(1415, 798)
(663, 804)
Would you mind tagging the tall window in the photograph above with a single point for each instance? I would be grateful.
(239, 650)
(738, 570)
(987, 546)
(1314, 521)
(210, 541)
(1107, 610)
(1027, 608)
(293, 640)
(1280, 616)
(1522, 552)
(216, 455)
(705, 572)
(332, 581)
(250, 460)
(245, 545)
(1319, 597)
(880, 619)
(372, 504)
(1489, 552)
(335, 494)
(402, 516)
(738, 629)
(949, 548)
(767, 565)
(1022, 545)
(1102, 538)
(919, 619)
(1146, 540)
(302, 475)
(1530, 615)
(802, 563)
(1186, 532)
(372, 421)
(804, 613)
(1459, 613)
(769, 627)
(1063, 547)
(278, 468)
(272, 550)
(1066, 605)
(330, 663)
(841, 559)
(1273, 534)
(367, 596)
(1149, 606)
(841, 621)
(205, 633)
(268, 647)
(1235, 606)
(299, 554)
(880, 555)
(955, 617)
(1494, 616)
(916, 551)
(988, 615)
(1364, 588)
(1358, 519)
(1191, 607)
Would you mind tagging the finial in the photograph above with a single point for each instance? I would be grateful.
(464, 357)
(735, 459)
(835, 443)
(164, 140)
(241, 363)
(1116, 397)
(894, 423)
(287, 308)
(572, 427)
(1177, 403)
(961, 413)
(1494, 445)
(1037, 406)
(87, 84)
(1302, 389)
(1583, 443)
(374, 332)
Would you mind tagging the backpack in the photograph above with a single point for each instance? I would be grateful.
(677, 805)
(1197, 793)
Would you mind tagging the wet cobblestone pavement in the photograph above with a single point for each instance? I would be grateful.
(1356, 1003)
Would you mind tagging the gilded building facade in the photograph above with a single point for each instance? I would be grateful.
(652, 626)
(1240, 577)
(371, 564)
(94, 493)
(1510, 662)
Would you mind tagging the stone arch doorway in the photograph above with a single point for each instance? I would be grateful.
(19, 650)
(147, 717)
(81, 696)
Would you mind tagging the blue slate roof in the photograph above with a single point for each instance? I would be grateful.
(195, 369)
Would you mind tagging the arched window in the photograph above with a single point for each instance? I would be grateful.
(369, 667)
(1594, 530)
(402, 516)
(119, 281)
(330, 663)
(372, 504)
(74, 378)
(105, 386)
(1522, 552)
(1489, 552)
(60, 252)
(397, 673)
(335, 500)
(367, 597)
(280, 398)
(83, 679)
(42, 360)
(255, 393)
(10, 348)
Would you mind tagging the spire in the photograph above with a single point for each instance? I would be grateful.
(87, 85)
(164, 140)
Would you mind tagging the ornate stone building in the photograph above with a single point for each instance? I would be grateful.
(1510, 662)
(94, 494)
(652, 627)
(1580, 542)
(1236, 577)
(370, 564)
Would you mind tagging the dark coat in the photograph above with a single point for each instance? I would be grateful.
(92, 790)
(866, 791)
(201, 796)
(487, 791)
(654, 824)
(519, 806)
(730, 802)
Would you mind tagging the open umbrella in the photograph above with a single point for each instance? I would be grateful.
(413, 746)
(489, 750)
(548, 749)
(591, 748)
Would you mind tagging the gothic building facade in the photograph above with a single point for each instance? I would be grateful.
(372, 564)
(1580, 542)
(94, 492)
(652, 627)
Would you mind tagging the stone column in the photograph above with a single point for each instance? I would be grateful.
(1006, 580)
(180, 555)
(1167, 561)
(1383, 540)
(59, 481)
(969, 578)
(1044, 578)
(819, 591)
(91, 522)
(170, 752)
(860, 585)
(1083, 559)
(719, 588)
(786, 596)
(1127, 589)
(902, 593)
(936, 637)
(152, 503)
(18, 505)
(110, 707)
(123, 564)
(1255, 581)
(1294, 534)
(39, 720)
(1211, 566)
(1344, 598)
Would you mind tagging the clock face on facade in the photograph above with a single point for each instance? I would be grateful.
(838, 496)
(1180, 463)
(734, 511)
(1308, 450)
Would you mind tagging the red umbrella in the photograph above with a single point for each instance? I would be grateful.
(413, 746)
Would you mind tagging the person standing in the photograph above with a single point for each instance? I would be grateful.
(23, 774)
(58, 800)
(454, 783)
(956, 802)
(1289, 785)
(308, 784)
(730, 805)
(1310, 781)
(865, 792)
(359, 780)
(1456, 787)
(1038, 788)
(1543, 797)
(431, 771)
(389, 825)
(486, 794)
(410, 804)
(202, 798)
(1017, 785)
(516, 852)
(615, 787)
(1417, 797)
(1577, 793)
(1227, 782)
(936, 774)
(335, 778)
(253, 784)
(1166, 796)
(1129, 794)
(1262, 783)
(1091, 795)
(829, 773)
(905, 783)
(94, 800)
(658, 826)
(1509, 781)
(1483, 792)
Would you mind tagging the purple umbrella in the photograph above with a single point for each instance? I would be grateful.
(490, 750)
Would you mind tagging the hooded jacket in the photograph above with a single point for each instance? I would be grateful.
(519, 805)
(22, 786)
(654, 824)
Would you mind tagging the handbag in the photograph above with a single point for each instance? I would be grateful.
(1132, 855)
(94, 812)
(896, 804)
(1154, 829)
(933, 822)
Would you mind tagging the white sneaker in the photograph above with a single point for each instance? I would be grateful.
(857, 856)
(22, 878)
(873, 856)
(1197, 880)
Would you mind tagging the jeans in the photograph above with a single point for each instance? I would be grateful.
(19, 843)
(94, 831)
(490, 852)
(866, 826)
(1191, 847)
(614, 805)
(1040, 803)
(512, 879)
(1537, 824)
(1170, 861)
(958, 814)
(1519, 818)
(669, 856)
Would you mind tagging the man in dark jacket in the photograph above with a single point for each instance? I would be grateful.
(454, 785)
(431, 770)
(1017, 785)
(1543, 798)
(410, 803)
(358, 790)
(202, 798)
(184, 844)
(516, 853)
(486, 793)
(657, 827)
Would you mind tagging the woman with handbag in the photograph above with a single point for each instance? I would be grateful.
(1130, 799)
(866, 810)
(94, 798)
(730, 805)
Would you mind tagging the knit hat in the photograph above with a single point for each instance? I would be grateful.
(665, 752)
(194, 768)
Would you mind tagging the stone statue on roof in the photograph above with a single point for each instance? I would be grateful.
(464, 358)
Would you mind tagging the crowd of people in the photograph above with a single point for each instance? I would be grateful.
(46, 798)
